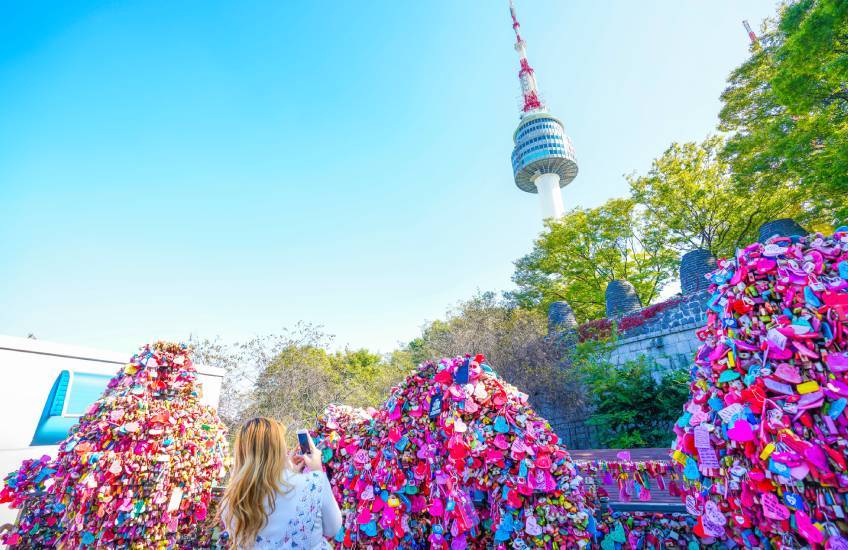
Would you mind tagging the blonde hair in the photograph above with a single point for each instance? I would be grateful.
(260, 458)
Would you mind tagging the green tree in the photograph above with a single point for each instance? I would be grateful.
(580, 253)
(692, 194)
(293, 376)
(787, 108)
(633, 404)
(516, 344)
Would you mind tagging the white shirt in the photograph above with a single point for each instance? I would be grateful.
(303, 516)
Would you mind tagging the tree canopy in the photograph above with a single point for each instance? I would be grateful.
(693, 195)
(578, 255)
(786, 108)
(515, 343)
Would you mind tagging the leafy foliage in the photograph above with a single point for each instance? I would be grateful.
(787, 108)
(692, 194)
(634, 404)
(293, 377)
(580, 253)
(515, 343)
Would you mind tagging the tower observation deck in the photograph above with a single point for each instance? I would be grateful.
(543, 158)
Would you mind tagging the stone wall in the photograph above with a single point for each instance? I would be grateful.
(669, 337)
(664, 332)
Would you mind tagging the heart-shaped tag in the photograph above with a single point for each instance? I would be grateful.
(807, 529)
(131, 427)
(741, 431)
(370, 528)
(788, 373)
(799, 472)
(532, 527)
(713, 514)
(793, 501)
(436, 508)
(691, 472)
(773, 509)
(837, 361)
(501, 425)
(459, 426)
(364, 516)
(618, 534)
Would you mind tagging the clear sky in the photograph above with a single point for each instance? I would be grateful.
(229, 168)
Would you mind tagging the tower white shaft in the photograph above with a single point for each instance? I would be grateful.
(550, 196)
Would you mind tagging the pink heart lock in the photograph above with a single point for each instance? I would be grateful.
(816, 456)
(436, 508)
(788, 372)
(364, 515)
(837, 361)
(361, 457)
(838, 387)
(741, 431)
(457, 393)
(776, 353)
(493, 455)
(799, 472)
(807, 529)
(772, 508)
(810, 400)
(501, 442)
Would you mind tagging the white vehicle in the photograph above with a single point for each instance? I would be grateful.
(45, 387)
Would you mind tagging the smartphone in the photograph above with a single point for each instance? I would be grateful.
(303, 441)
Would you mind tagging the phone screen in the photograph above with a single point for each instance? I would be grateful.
(303, 440)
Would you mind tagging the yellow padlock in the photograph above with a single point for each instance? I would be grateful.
(807, 387)
(767, 450)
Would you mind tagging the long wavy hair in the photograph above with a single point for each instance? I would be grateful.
(261, 458)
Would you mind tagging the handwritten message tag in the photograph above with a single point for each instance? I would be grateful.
(692, 506)
(729, 412)
(707, 458)
(773, 509)
(776, 338)
(702, 438)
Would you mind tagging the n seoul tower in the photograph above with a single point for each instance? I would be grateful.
(543, 158)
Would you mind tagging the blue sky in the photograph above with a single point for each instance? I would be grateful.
(229, 168)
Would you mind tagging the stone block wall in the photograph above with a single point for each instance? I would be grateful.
(669, 337)
(664, 332)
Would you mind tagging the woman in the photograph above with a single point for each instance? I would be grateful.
(273, 500)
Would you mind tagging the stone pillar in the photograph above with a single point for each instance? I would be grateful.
(694, 265)
(784, 227)
(621, 298)
(561, 317)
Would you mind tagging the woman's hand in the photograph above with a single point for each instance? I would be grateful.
(312, 461)
(298, 463)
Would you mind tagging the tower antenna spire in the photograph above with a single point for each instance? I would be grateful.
(543, 158)
(526, 74)
(754, 40)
